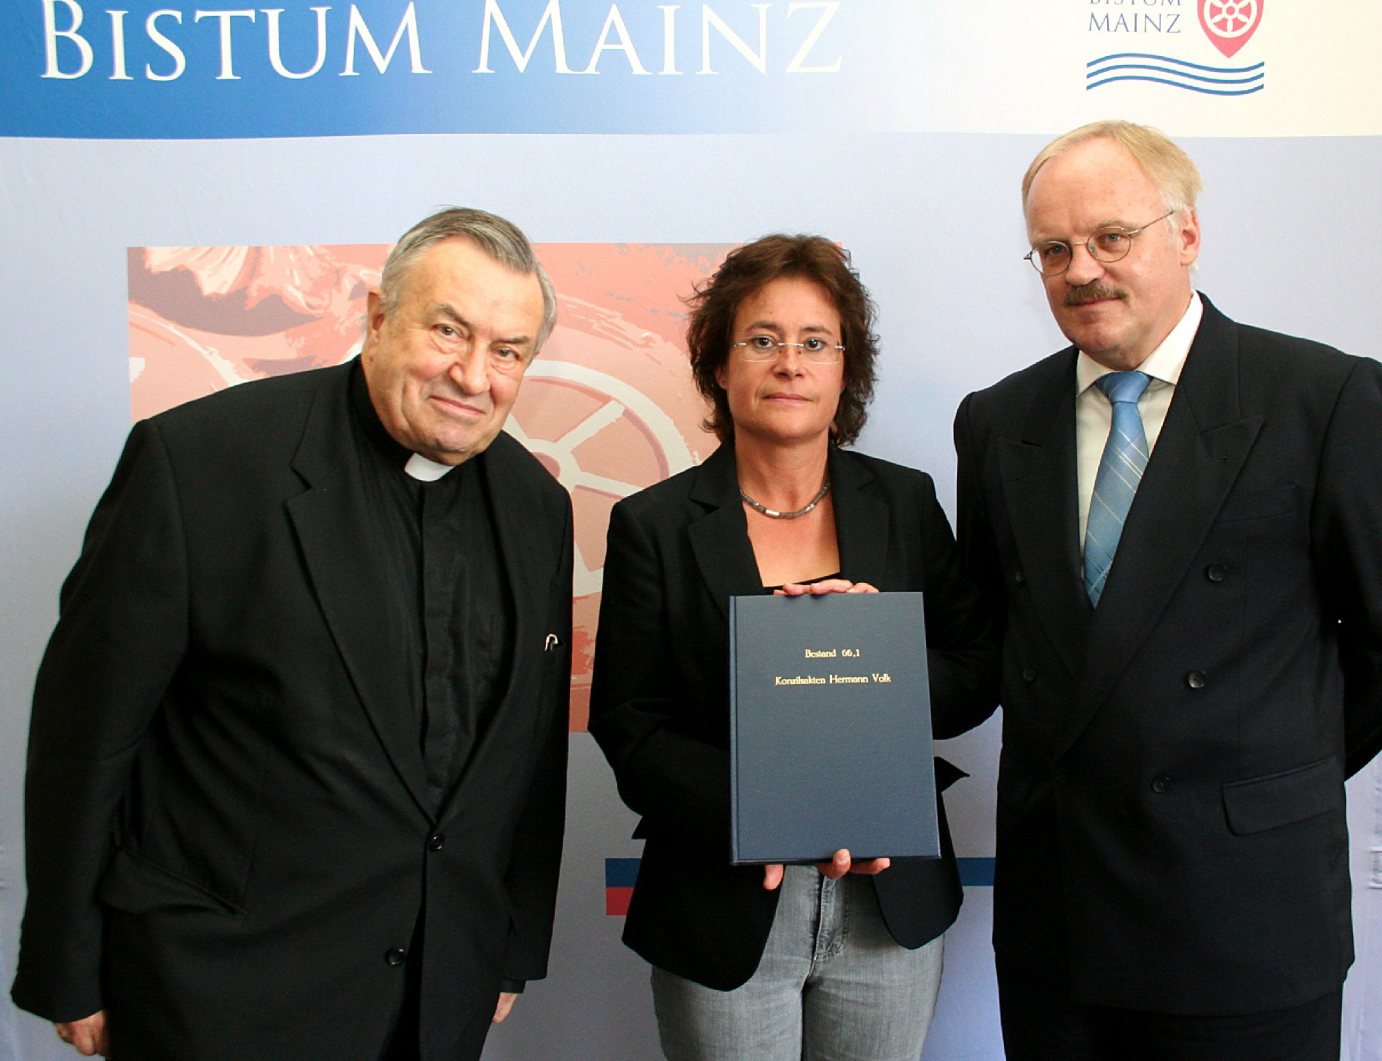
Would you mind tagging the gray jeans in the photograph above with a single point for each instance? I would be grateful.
(832, 985)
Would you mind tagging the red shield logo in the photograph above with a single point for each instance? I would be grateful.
(1229, 23)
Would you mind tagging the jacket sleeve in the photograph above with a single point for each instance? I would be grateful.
(120, 637)
(666, 770)
(961, 645)
(1347, 537)
(978, 550)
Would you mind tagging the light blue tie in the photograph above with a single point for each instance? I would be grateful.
(1120, 470)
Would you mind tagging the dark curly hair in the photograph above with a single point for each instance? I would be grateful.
(749, 268)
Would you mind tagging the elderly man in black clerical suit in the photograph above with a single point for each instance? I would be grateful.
(297, 761)
(1178, 521)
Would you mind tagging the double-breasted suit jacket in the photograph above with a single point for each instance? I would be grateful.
(1171, 831)
(230, 838)
(660, 703)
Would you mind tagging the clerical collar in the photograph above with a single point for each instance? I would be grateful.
(425, 470)
(396, 456)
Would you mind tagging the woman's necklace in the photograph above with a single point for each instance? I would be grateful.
(773, 513)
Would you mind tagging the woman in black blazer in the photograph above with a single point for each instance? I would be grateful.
(840, 960)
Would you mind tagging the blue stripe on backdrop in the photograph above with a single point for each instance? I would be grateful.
(976, 872)
(621, 872)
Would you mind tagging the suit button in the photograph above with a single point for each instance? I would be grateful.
(1160, 784)
(395, 956)
(1019, 577)
(1216, 572)
(1029, 674)
(436, 842)
(1196, 679)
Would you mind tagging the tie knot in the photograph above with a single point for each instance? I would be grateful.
(1123, 386)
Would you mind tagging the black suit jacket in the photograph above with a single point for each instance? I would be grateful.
(660, 701)
(230, 838)
(1171, 829)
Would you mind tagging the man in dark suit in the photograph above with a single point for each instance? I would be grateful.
(297, 760)
(1192, 655)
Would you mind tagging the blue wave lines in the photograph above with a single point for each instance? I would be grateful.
(1164, 70)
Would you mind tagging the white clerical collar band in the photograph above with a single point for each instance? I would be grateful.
(424, 470)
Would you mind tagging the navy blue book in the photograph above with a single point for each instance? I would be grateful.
(830, 728)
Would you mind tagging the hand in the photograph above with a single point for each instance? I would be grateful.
(87, 1036)
(828, 585)
(836, 868)
(842, 863)
(501, 1010)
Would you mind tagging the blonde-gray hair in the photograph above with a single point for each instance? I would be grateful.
(1166, 165)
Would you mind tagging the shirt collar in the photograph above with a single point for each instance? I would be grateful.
(396, 456)
(1164, 363)
(425, 470)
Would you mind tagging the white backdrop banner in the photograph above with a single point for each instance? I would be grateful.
(180, 69)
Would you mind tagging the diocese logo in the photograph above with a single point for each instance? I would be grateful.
(1227, 25)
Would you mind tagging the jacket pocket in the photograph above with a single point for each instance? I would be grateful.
(1270, 802)
(1262, 503)
(137, 886)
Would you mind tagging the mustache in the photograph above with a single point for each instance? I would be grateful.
(1092, 292)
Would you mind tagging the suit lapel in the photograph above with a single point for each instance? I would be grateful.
(861, 521)
(719, 537)
(1038, 474)
(1198, 457)
(333, 521)
(525, 547)
(522, 544)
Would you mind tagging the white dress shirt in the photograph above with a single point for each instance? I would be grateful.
(1094, 412)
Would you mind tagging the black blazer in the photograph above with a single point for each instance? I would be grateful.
(1171, 829)
(660, 701)
(229, 833)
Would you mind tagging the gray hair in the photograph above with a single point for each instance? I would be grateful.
(502, 240)
(1166, 165)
